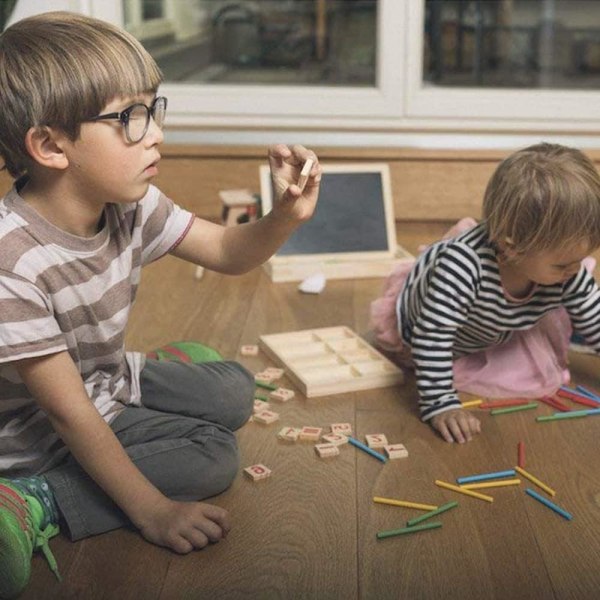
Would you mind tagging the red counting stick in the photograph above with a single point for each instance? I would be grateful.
(554, 403)
(578, 398)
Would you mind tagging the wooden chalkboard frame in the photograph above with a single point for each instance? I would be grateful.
(339, 265)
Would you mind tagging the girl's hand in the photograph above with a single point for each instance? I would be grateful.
(457, 425)
(289, 201)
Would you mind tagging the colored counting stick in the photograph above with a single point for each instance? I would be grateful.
(366, 449)
(392, 532)
(432, 513)
(485, 476)
(557, 509)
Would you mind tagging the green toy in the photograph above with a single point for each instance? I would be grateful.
(189, 352)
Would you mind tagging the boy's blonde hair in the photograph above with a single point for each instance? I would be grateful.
(59, 69)
(544, 196)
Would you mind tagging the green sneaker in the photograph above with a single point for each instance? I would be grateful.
(21, 534)
(190, 352)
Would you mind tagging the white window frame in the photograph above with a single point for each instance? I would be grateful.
(206, 103)
(400, 109)
(576, 108)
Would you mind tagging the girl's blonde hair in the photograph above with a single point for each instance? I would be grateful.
(59, 69)
(544, 196)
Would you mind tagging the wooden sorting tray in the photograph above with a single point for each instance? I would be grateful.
(330, 360)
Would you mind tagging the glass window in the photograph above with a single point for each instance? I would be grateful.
(266, 42)
(552, 44)
(152, 9)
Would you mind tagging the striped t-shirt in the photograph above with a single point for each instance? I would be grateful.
(453, 304)
(62, 292)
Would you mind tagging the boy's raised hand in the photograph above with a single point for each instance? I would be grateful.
(458, 425)
(289, 200)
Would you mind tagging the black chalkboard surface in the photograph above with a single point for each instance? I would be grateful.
(354, 216)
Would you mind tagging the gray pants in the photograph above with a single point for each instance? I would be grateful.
(181, 440)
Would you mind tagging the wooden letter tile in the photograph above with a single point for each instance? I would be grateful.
(289, 434)
(396, 451)
(376, 440)
(281, 394)
(257, 472)
(260, 405)
(343, 428)
(337, 439)
(249, 350)
(325, 450)
(310, 434)
(266, 417)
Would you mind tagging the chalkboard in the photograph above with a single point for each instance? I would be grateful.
(353, 220)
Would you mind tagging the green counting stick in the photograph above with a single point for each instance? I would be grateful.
(573, 414)
(432, 513)
(392, 532)
(511, 409)
(264, 384)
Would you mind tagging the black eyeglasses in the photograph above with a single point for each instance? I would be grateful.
(136, 118)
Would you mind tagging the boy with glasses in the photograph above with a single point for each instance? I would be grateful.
(93, 438)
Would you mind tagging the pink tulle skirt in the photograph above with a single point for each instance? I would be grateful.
(530, 364)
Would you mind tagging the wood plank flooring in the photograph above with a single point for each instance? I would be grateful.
(309, 531)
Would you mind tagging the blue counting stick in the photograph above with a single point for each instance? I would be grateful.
(484, 476)
(554, 507)
(368, 450)
(587, 393)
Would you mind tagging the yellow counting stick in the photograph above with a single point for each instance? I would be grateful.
(535, 480)
(470, 403)
(490, 484)
(404, 503)
(460, 490)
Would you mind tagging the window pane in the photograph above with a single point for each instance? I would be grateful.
(152, 9)
(513, 43)
(286, 42)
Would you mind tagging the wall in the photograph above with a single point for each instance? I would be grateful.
(427, 185)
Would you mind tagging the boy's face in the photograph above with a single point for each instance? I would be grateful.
(104, 166)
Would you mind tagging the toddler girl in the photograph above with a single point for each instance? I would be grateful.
(489, 310)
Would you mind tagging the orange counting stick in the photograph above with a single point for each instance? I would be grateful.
(503, 403)
(521, 454)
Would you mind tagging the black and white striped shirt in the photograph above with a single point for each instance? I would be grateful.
(453, 304)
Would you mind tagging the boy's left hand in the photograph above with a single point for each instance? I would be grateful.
(290, 202)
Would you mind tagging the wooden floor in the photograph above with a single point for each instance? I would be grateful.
(309, 530)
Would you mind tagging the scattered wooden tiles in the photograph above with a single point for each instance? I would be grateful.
(330, 360)
(396, 451)
(376, 440)
(327, 450)
(281, 394)
(260, 406)
(337, 439)
(257, 472)
(264, 376)
(343, 428)
(289, 434)
(274, 372)
(249, 350)
(266, 417)
(310, 434)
